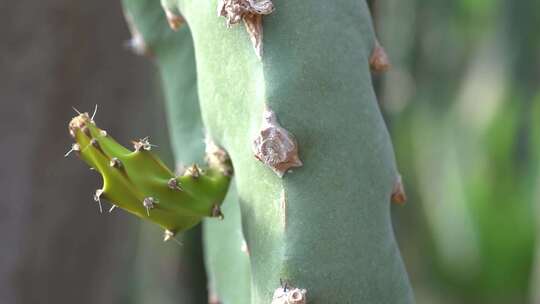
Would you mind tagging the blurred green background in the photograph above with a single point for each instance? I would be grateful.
(462, 102)
(463, 106)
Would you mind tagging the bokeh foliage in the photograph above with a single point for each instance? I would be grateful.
(463, 104)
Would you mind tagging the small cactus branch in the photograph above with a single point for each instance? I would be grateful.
(139, 182)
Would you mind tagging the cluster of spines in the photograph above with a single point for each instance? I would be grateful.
(139, 182)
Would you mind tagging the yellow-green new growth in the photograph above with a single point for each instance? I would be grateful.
(139, 182)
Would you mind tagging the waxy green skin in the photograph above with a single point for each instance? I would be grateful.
(130, 177)
(325, 226)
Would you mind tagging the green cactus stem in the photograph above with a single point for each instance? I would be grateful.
(314, 166)
(140, 183)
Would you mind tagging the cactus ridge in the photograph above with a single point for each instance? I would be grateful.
(140, 183)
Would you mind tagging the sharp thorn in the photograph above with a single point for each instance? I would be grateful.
(74, 147)
(112, 208)
(76, 111)
(169, 235)
(68, 153)
(149, 203)
(143, 143)
(94, 114)
(177, 241)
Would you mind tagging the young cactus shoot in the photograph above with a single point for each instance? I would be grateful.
(140, 183)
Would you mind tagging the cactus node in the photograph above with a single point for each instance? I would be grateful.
(398, 192)
(193, 171)
(174, 184)
(115, 163)
(251, 13)
(276, 147)
(289, 295)
(292, 296)
(149, 203)
(379, 61)
(143, 143)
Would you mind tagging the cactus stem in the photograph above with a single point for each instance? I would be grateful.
(136, 181)
(149, 203)
(283, 207)
(74, 148)
(97, 199)
(216, 212)
(174, 184)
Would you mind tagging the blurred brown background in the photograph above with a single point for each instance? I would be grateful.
(55, 246)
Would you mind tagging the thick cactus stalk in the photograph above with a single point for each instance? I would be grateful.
(314, 166)
(138, 182)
